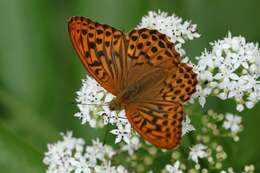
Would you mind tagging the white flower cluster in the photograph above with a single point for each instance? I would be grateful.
(71, 155)
(93, 103)
(177, 30)
(230, 71)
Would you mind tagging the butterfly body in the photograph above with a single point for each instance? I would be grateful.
(132, 93)
(143, 70)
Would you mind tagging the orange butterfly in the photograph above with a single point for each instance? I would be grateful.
(143, 70)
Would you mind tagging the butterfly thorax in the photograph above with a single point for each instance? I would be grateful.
(127, 96)
(133, 92)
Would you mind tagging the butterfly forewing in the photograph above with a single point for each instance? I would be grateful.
(101, 49)
(151, 47)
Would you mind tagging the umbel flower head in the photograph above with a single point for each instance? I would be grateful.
(230, 71)
(72, 155)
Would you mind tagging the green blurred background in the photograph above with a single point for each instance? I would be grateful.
(40, 72)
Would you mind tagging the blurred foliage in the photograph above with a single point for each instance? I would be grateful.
(40, 72)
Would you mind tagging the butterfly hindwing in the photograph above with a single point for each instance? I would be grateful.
(102, 50)
(158, 122)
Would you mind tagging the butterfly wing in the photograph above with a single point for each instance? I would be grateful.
(102, 50)
(179, 85)
(157, 114)
(159, 122)
(148, 49)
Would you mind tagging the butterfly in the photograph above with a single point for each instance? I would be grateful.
(143, 70)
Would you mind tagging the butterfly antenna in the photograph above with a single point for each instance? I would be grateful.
(75, 103)
(94, 104)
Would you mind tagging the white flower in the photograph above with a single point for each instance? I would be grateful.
(198, 151)
(230, 71)
(123, 132)
(133, 145)
(175, 168)
(232, 122)
(187, 126)
(177, 30)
